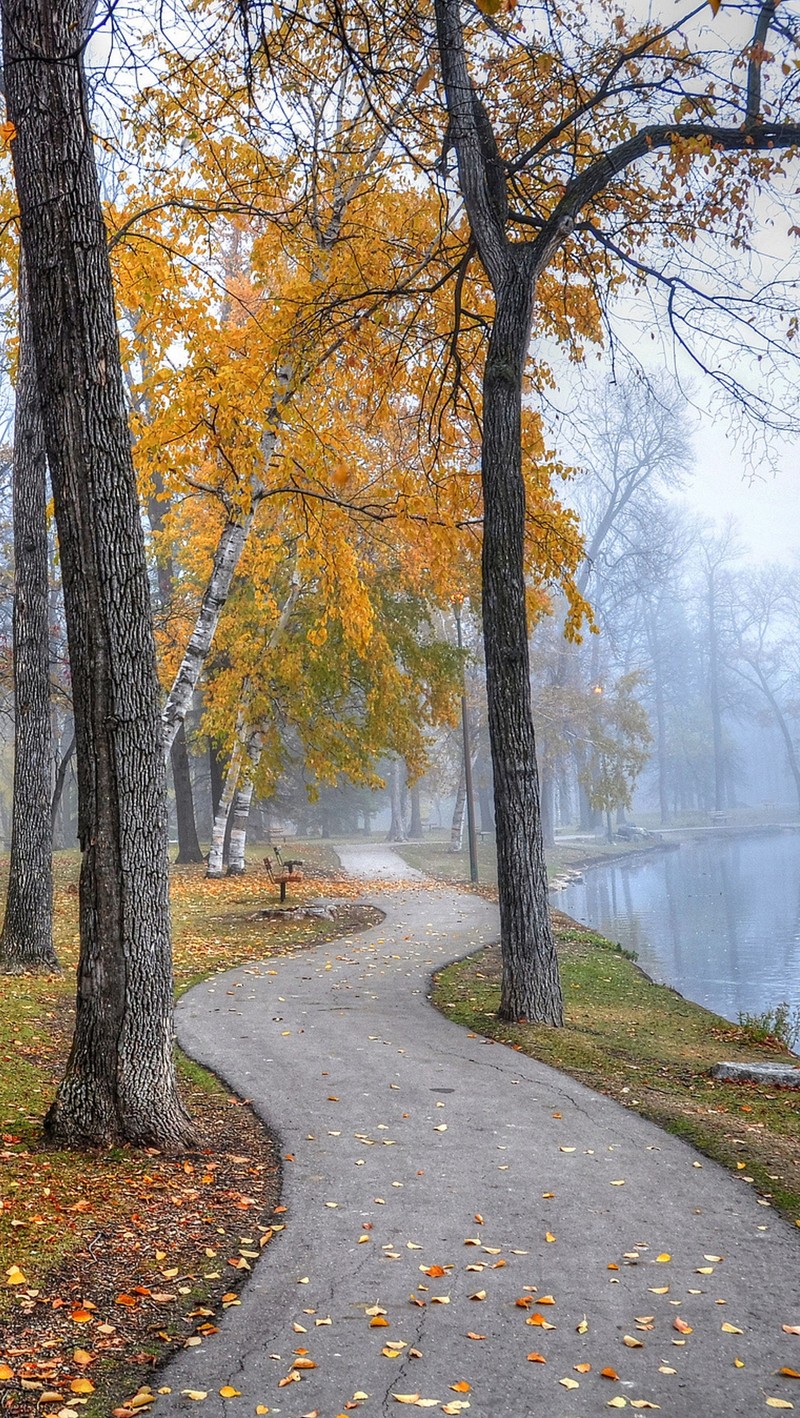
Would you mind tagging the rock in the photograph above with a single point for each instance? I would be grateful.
(774, 1075)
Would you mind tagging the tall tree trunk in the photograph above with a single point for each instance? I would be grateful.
(120, 1079)
(217, 775)
(26, 942)
(219, 836)
(397, 832)
(56, 806)
(531, 987)
(241, 807)
(189, 849)
(415, 825)
(459, 810)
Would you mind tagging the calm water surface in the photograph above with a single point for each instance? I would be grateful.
(719, 918)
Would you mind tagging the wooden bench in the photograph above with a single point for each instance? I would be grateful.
(282, 873)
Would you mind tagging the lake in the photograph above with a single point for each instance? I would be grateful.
(718, 918)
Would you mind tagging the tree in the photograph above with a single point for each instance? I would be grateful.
(120, 1077)
(570, 184)
(26, 942)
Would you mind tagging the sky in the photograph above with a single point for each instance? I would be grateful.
(764, 499)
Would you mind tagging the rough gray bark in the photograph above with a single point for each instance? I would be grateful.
(513, 268)
(26, 942)
(415, 825)
(120, 1078)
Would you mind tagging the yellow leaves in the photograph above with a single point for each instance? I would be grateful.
(582, 1327)
(609, 1373)
(228, 1391)
(730, 1329)
(663, 1258)
(490, 7)
(6, 1372)
(81, 1386)
(14, 1276)
(778, 1403)
(681, 1325)
(569, 1383)
(535, 1358)
(378, 1322)
(7, 134)
(582, 1368)
(196, 1394)
(631, 1343)
(789, 1373)
(617, 1402)
(461, 1387)
(539, 1320)
(549, 1236)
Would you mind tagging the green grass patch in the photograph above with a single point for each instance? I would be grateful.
(652, 1050)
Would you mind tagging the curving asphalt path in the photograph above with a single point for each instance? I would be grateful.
(416, 1144)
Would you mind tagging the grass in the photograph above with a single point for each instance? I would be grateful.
(174, 1236)
(435, 857)
(652, 1050)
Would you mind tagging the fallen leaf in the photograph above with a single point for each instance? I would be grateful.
(537, 1358)
(6, 1372)
(659, 1289)
(524, 1301)
(540, 1320)
(731, 1329)
(609, 1374)
(440, 1299)
(716, 1259)
(406, 1397)
(569, 1383)
(478, 1295)
(15, 1276)
(791, 1328)
(779, 1403)
(665, 1256)
(617, 1402)
(546, 1300)
(582, 1368)
(456, 1406)
(433, 1270)
(462, 1386)
(643, 1403)
(549, 1236)
(378, 1322)
(681, 1325)
(304, 1364)
(789, 1373)
(631, 1343)
(470, 1335)
(197, 1394)
(738, 1363)
(81, 1386)
(583, 1326)
(228, 1391)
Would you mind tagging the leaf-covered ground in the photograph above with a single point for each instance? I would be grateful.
(111, 1260)
(652, 1050)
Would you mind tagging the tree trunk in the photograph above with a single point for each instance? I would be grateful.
(415, 825)
(530, 986)
(397, 831)
(459, 809)
(219, 836)
(120, 1079)
(26, 942)
(189, 849)
(241, 808)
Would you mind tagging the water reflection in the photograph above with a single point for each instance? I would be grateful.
(719, 918)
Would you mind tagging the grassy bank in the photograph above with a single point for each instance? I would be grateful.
(109, 1261)
(435, 857)
(650, 1049)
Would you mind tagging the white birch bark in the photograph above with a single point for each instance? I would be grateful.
(216, 856)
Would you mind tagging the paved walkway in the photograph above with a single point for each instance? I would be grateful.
(429, 1163)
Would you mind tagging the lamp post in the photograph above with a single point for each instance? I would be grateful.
(470, 794)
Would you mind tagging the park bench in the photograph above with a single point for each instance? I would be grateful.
(283, 873)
